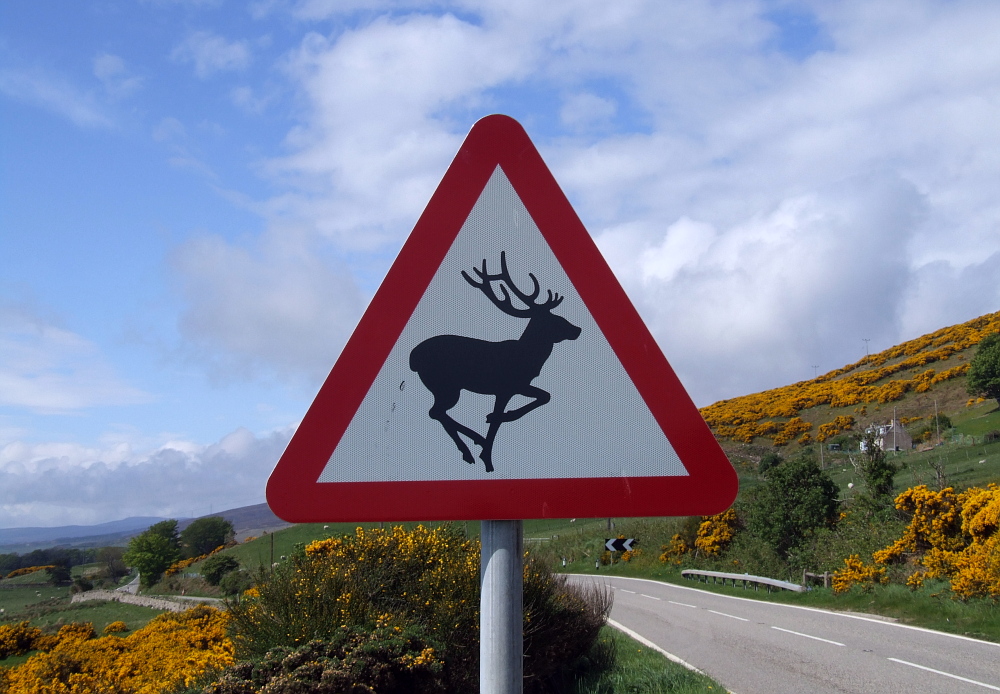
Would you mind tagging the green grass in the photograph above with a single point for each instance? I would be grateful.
(99, 612)
(641, 670)
(50, 606)
(34, 578)
(979, 419)
(13, 600)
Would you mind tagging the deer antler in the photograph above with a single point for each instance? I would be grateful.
(505, 303)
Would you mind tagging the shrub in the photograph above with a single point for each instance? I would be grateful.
(17, 639)
(116, 627)
(235, 582)
(411, 578)
(796, 499)
(28, 570)
(953, 536)
(855, 572)
(173, 650)
(387, 659)
(214, 568)
(716, 532)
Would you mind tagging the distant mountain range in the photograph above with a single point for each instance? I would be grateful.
(246, 520)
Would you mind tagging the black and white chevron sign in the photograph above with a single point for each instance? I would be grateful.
(618, 545)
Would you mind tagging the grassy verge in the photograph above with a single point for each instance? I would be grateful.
(641, 670)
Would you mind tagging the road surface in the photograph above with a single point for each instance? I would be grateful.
(756, 647)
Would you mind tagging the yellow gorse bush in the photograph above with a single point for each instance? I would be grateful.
(174, 649)
(952, 536)
(716, 532)
(855, 572)
(773, 414)
(182, 564)
(18, 639)
(675, 550)
(28, 570)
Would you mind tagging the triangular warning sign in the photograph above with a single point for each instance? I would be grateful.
(500, 372)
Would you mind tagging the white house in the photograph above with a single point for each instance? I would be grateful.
(890, 437)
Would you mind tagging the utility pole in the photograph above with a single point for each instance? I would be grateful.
(937, 422)
(894, 430)
(815, 370)
(866, 340)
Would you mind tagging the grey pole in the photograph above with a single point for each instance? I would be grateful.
(501, 640)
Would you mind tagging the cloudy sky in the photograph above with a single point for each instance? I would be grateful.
(199, 197)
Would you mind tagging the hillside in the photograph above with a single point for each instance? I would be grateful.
(246, 520)
(912, 380)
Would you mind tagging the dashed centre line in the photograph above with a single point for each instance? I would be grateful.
(816, 638)
(946, 674)
(651, 597)
(731, 616)
(682, 604)
(627, 591)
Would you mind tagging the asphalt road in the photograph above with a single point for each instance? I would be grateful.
(756, 647)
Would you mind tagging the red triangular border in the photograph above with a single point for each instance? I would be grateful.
(292, 490)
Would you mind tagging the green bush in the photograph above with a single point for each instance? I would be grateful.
(214, 568)
(235, 582)
(796, 498)
(387, 659)
(412, 579)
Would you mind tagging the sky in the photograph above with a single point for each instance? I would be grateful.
(198, 198)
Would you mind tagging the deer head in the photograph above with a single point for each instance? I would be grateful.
(544, 325)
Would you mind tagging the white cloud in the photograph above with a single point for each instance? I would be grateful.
(585, 111)
(117, 80)
(54, 94)
(764, 211)
(211, 53)
(49, 369)
(281, 307)
(247, 99)
(57, 484)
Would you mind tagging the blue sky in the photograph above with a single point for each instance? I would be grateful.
(198, 198)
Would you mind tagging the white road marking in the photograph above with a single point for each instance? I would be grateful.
(798, 633)
(807, 609)
(731, 616)
(648, 596)
(946, 674)
(649, 644)
(626, 591)
(682, 604)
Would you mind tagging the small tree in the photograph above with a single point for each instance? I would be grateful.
(152, 554)
(205, 534)
(984, 370)
(877, 470)
(796, 499)
(111, 558)
(214, 568)
(59, 574)
(168, 531)
(768, 462)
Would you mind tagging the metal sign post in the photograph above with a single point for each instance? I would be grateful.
(500, 609)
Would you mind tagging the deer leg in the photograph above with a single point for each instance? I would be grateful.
(495, 418)
(540, 398)
(440, 412)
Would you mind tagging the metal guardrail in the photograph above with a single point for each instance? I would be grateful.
(755, 581)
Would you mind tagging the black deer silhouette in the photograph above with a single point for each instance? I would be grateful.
(448, 364)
